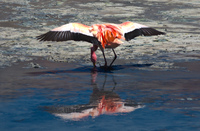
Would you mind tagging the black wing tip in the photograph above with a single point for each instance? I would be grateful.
(39, 38)
(43, 37)
(159, 32)
(59, 36)
(51, 36)
(151, 32)
(162, 33)
(142, 31)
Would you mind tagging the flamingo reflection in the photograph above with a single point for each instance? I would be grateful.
(101, 102)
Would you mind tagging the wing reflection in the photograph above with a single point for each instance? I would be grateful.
(101, 102)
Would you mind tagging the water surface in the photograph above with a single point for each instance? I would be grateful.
(63, 96)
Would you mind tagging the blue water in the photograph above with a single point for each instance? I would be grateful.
(165, 101)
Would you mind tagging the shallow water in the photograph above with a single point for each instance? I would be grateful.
(61, 96)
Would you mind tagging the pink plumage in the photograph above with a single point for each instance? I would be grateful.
(100, 35)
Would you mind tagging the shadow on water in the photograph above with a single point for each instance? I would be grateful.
(102, 101)
(86, 69)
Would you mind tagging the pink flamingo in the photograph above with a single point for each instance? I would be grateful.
(100, 35)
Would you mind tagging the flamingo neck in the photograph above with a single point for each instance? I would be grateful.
(93, 55)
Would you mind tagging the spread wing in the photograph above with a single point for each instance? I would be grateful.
(71, 31)
(132, 30)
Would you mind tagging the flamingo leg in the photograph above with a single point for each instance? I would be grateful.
(104, 59)
(115, 57)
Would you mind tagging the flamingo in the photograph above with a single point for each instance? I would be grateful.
(102, 36)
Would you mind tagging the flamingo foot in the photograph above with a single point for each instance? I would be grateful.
(106, 68)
